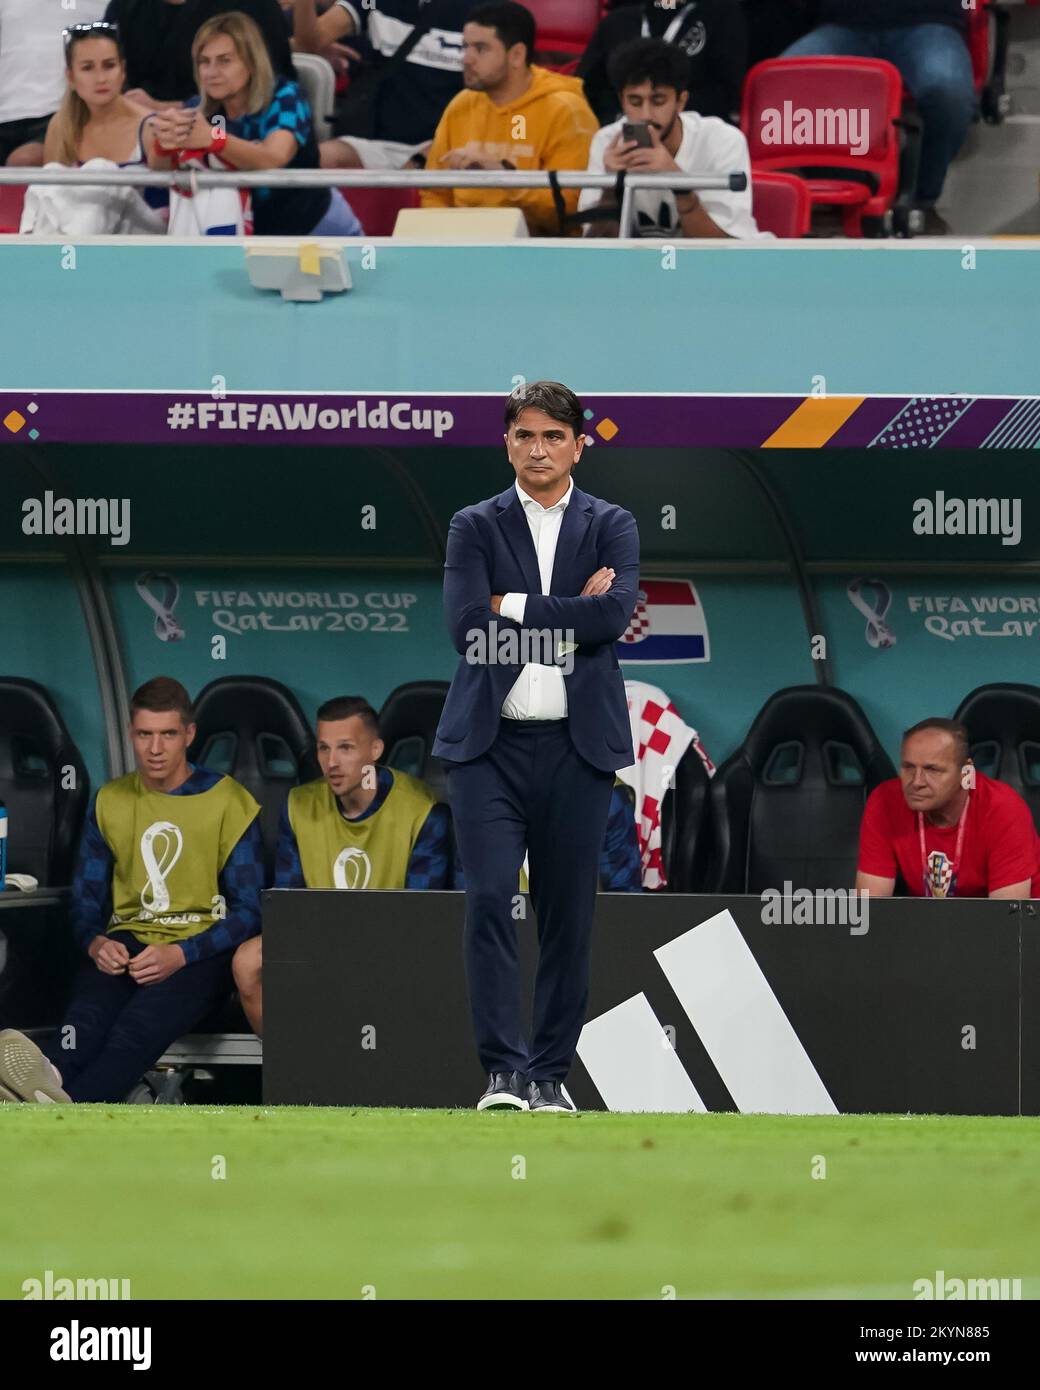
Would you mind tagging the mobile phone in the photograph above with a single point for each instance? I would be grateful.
(639, 131)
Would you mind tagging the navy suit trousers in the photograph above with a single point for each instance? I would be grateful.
(530, 791)
(121, 1029)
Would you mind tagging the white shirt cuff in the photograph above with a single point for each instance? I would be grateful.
(513, 606)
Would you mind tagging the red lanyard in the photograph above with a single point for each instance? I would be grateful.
(955, 864)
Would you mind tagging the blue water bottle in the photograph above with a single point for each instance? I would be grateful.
(3, 846)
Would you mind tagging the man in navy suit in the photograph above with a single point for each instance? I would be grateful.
(539, 584)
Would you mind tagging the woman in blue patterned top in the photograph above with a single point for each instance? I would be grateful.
(268, 126)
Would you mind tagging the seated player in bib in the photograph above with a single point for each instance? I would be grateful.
(357, 826)
(167, 886)
(945, 829)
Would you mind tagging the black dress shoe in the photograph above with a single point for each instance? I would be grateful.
(550, 1096)
(505, 1092)
(925, 221)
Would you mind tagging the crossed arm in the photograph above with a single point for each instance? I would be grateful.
(599, 614)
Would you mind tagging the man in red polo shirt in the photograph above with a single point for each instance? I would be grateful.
(945, 829)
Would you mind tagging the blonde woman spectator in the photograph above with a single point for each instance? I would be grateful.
(95, 127)
(95, 120)
(265, 123)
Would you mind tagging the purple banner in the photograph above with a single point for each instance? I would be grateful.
(748, 422)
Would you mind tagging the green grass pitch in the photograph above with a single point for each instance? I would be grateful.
(326, 1203)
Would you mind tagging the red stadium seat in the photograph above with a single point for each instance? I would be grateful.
(12, 196)
(862, 184)
(377, 208)
(988, 44)
(564, 26)
(780, 204)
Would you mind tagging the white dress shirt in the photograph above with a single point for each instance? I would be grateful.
(539, 691)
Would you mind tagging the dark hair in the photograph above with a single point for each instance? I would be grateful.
(345, 707)
(160, 694)
(511, 22)
(558, 401)
(947, 726)
(648, 60)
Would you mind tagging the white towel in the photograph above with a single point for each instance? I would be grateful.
(54, 209)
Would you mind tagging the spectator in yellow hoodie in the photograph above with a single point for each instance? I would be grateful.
(512, 115)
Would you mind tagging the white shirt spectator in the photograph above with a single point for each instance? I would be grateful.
(32, 55)
(709, 146)
(539, 691)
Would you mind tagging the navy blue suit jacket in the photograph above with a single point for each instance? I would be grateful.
(490, 551)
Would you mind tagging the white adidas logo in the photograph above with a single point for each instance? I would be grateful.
(634, 1066)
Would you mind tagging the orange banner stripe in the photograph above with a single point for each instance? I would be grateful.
(816, 420)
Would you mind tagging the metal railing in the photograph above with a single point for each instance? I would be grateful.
(189, 179)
